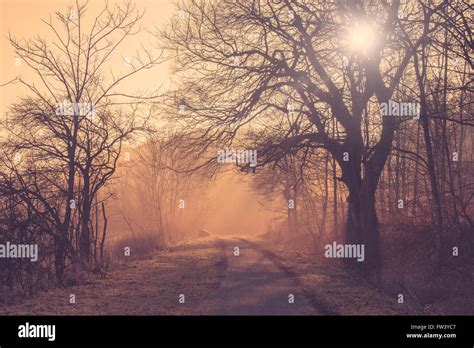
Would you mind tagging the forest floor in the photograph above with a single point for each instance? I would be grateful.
(262, 280)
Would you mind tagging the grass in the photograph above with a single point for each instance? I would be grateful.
(149, 286)
(328, 285)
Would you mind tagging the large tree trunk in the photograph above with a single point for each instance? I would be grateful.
(362, 227)
(361, 178)
(61, 247)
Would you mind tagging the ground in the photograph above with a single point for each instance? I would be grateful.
(262, 280)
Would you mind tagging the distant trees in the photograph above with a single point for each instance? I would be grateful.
(63, 140)
(300, 185)
(281, 184)
(164, 198)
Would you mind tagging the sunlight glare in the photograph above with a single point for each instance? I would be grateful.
(361, 37)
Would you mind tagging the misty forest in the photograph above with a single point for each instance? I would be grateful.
(279, 157)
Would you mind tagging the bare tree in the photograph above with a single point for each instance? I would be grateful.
(252, 59)
(71, 128)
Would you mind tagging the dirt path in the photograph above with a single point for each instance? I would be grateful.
(254, 284)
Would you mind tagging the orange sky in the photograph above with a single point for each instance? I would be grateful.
(23, 19)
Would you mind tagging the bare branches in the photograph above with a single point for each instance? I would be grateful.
(69, 132)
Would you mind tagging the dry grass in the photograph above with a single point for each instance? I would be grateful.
(148, 286)
(337, 290)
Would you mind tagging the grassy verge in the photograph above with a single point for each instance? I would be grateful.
(339, 292)
(149, 286)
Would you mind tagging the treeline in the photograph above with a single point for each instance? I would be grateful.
(61, 143)
(162, 197)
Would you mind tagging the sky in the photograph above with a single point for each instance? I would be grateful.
(23, 19)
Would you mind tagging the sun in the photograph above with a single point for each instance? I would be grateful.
(362, 38)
